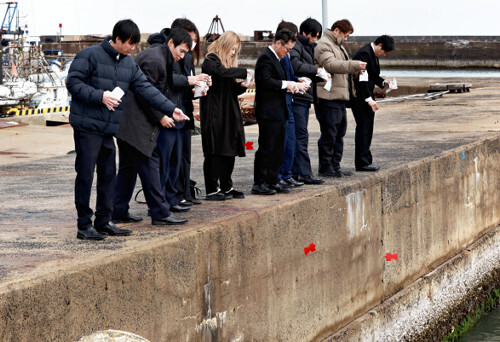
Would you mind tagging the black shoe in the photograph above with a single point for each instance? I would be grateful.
(179, 209)
(344, 172)
(216, 196)
(336, 174)
(293, 182)
(127, 219)
(89, 234)
(284, 184)
(169, 220)
(111, 229)
(234, 194)
(262, 189)
(195, 201)
(186, 203)
(280, 188)
(310, 179)
(370, 167)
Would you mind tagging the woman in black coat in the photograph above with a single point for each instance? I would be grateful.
(222, 133)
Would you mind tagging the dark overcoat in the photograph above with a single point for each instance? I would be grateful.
(222, 131)
(140, 123)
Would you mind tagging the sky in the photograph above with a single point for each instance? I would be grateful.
(369, 18)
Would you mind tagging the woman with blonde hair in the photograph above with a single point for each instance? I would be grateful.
(222, 133)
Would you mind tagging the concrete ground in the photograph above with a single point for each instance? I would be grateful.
(38, 218)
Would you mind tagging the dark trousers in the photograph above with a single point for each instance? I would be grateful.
(269, 156)
(170, 146)
(94, 150)
(133, 163)
(182, 186)
(302, 163)
(332, 119)
(365, 118)
(289, 153)
(218, 169)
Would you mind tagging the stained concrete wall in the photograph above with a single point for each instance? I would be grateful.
(247, 278)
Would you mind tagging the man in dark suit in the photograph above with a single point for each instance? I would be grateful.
(139, 131)
(271, 113)
(364, 105)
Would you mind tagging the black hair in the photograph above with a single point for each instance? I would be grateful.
(386, 41)
(287, 25)
(179, 36)
(189, 26)
(284, 36)
(311, 26)
(126, 29)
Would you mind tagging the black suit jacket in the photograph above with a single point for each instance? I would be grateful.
(270, 99)
(140, 122)
(365, 89)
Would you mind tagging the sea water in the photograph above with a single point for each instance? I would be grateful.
(487, 329)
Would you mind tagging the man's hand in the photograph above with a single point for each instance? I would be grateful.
(167, 122)
(195, 80)
(291, 87)
(305, 80)
(247, 85)
(374, 105)
(109, 101)
(303, 87)
(362, 65)
(178, 115)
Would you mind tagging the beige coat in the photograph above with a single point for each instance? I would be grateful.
(328, 54)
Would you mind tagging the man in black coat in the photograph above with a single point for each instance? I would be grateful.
(271, 113)
(302, 58)
(139, 131)
(95, 116)
(364, 105)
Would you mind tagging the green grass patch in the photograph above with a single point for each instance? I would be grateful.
(462, 328)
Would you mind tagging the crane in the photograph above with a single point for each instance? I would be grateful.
(10, 15)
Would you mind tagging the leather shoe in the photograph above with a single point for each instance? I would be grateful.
(262, 189)
(284, 184)
(370, 167)
(111, 229)
(169, 220)
(234, 194)
(216, 196)
(333, 173)
(89, 234)
(127, 219)
(179, 209)
(293, 182)
(310, 179)
(279, 188)
(186, 203)
(344, 172)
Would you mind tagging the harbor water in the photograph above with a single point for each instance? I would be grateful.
(487, 330)
(428, 73)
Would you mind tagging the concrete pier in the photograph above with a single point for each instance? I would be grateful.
(238, 271)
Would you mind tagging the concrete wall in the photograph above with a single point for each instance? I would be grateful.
(247, 278)
(459, 53)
